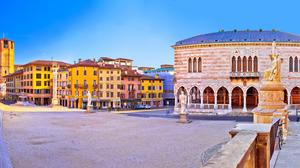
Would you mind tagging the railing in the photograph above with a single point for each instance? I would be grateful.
(244, 74)
(251, 146)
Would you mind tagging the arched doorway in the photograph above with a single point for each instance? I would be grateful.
(195, 95)
(208, 96)
(237, 98)
(222, 96)
(295, 96)
(252, 98)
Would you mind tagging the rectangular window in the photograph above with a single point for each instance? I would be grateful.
(38, 76)
(38, 68)
(38, 83)
(95, 73)
(77, 72)
(84, 72)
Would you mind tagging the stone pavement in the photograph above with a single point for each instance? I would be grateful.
(290, 153)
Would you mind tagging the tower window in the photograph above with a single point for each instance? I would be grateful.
(5, 45)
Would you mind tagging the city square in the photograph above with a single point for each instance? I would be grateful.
(76, 139)
(152, 84)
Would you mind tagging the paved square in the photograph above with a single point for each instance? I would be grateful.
(76, 140)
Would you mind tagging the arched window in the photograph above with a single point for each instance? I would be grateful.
(194, 65)
(291, 64)
(190, 65)
(199, 65)
(255, 64)
(233, 64)
(244, 64)
(250, 64)
(296, 64)
(239, 64)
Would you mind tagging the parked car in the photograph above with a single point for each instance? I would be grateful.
(148, 106)
(139, 106)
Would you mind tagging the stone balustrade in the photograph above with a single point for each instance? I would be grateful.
(251, 146)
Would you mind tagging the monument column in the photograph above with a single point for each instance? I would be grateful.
(216, 104)
(229, 105)
(245, 102)
(54, 89)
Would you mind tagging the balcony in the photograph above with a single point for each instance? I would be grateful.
(244, 74)
(81, 86)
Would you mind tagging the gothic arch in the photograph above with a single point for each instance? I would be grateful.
(222, 96)
(233, 64)
(190, 65)
(291, 64)
(208, 95)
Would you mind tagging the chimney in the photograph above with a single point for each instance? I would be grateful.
(79, 60)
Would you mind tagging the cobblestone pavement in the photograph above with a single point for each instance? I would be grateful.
(106, 140)
(290, 153)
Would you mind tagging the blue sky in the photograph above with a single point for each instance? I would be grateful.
(142, 30)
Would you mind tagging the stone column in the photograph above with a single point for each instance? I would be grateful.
(201, 99)
(289, 99)
(229, 105)
(54, 89)
(189, 101)
(175, 103)
(216, 103)
(245, 103)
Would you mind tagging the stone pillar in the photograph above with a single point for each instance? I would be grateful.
(289, 99)
(245, 102)
(230, 103)
(189, 101)
(201, 97)
(175, 103)
(216, 103)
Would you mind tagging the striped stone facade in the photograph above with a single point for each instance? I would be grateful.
(220, 84)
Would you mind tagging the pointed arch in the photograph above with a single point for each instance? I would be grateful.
(295, 95)
(199, 64)
(252, 97)
(237, 97)
(296, 64)
(190, 65)
(222, 96)
(194, 65)
(233, 64)
(250, 64)
(195, 95)
(208, 96)
(291, 64)
(244, 64)
(239, 64)
(255, 64)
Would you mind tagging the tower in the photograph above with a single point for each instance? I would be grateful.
(7, 54)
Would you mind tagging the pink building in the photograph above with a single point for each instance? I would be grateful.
(131, 87)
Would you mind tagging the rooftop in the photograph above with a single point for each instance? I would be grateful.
(241, 36)
(46, 62)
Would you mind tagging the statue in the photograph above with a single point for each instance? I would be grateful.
(89, 99)
(182, 101)
(273, 74)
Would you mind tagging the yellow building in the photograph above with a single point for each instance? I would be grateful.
(152, 91)
(6, 57)
(37, 81)
(109, 86)
(101, 80)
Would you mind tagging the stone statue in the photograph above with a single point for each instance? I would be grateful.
(89, 99)
(182, 101)
(273, 74)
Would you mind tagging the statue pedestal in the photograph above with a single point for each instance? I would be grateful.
(271, 105)
(184, 118)
(54, 102)
(89, 109)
